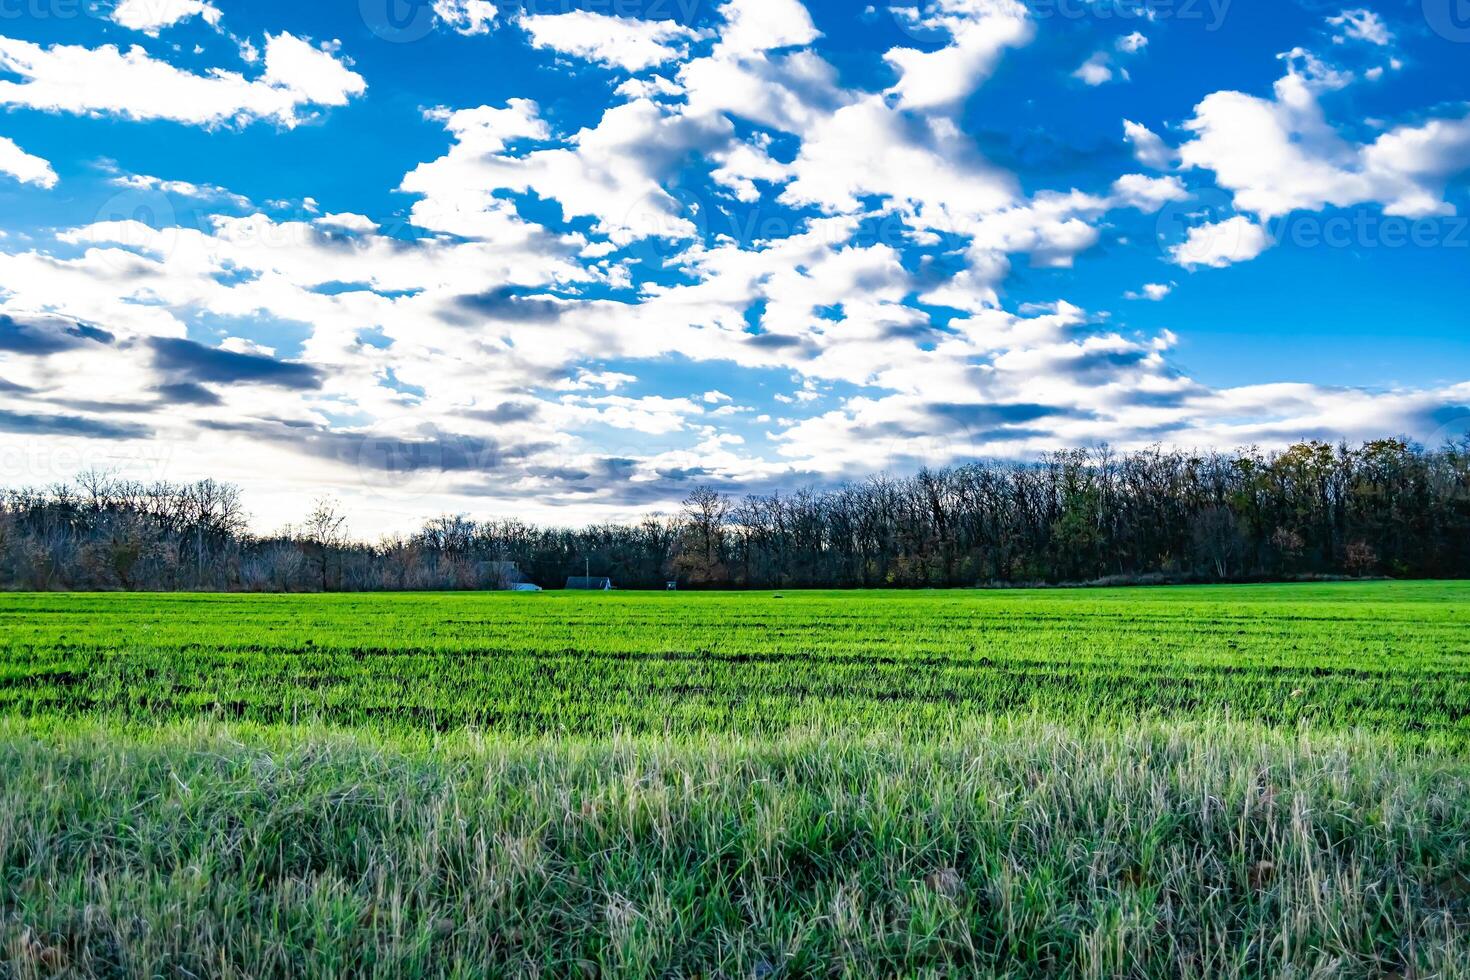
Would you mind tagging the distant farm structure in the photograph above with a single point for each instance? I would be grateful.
(589, 583)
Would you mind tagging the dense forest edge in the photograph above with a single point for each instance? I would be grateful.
(1389, 508)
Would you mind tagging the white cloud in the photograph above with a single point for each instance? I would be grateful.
(180, 188)
(1361, 25)
(1280, 155)
(613, 172)
(1146, 193)
(1101, 67)
(1148, 148)
(927, 169)
(980, 31)
(468, 17)
(743, 165)
(756, 26)
(1153, 291)
(624, 42)
(1096, 70)
(132, 84)
(1221, 243)
(652, 414)
(152, 16)
(1132, 43)
(24, 167)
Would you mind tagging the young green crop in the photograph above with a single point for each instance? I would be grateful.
(1394, 658)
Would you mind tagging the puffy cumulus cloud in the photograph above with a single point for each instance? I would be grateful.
(613, 172)
(1221, 243)
(1148, 148)
(1052, 228)
(743, 165)
(979, 32)
(467, 17)
(1280, 155)
(924, 167)
(25, 167)
(1145, 193)
(134, 85)
(1153, 291)
(622, 42)
(1096, 70)
(757, 26)
(152, 16)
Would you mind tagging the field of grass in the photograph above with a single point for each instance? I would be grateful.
(1195, 782)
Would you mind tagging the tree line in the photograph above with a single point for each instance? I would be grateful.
(1385, 508)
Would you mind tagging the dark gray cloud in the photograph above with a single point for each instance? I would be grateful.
(1166, 399)
(505, 413)
(986, 415)
(186, 393)
(682, 474)
(774, 341)
(1099, 367)
(187, 361)
(501, 304)
(40, 336)
(70, 425)
(103, 408)
(432, 451)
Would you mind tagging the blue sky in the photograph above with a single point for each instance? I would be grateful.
(568, 259)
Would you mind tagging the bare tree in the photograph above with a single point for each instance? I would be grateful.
(322, 535)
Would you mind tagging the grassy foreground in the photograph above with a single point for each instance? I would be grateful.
(1213, 782)
(1168, 851)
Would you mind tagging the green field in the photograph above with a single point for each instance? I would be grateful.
(1200, 782)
